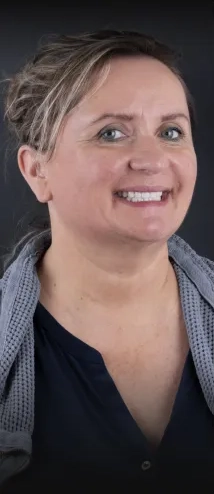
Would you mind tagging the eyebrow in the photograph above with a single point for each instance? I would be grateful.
(129, 117)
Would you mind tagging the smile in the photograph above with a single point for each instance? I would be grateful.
(143, 198)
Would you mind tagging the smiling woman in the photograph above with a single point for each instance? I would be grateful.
(107, 317)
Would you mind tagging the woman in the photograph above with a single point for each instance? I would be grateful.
(110, 308)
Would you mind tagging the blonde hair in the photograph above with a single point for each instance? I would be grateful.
(61, 74)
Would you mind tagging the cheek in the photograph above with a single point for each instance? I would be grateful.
(80, 181)
(65, 186)
(95, 170)
(186, 169)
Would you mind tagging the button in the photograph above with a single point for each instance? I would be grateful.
(146, 465)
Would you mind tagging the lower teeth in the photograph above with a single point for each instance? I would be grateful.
(142, 200)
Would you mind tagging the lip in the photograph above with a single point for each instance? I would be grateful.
(144, 188)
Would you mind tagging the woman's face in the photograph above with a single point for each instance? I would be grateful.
(134, 131)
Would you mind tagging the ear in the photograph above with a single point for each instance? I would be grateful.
(34, 169)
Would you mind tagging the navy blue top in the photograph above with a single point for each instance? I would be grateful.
(85, 439)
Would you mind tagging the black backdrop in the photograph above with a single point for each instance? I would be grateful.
(188, 29)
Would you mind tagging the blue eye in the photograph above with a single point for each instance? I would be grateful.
(172, 133)
(111, 135)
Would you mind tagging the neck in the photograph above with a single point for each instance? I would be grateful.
(105, 277)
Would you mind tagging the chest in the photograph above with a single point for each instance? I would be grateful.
(146, 370)
(148, 378)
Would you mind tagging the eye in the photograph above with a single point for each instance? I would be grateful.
(111, 135)
(172, 133)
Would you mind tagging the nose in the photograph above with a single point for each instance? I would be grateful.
(148, 155)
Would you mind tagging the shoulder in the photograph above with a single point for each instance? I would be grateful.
(0, 293)
(181, 249)
(199, 269)
(4, 282)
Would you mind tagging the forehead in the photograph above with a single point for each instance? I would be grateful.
(136, 84)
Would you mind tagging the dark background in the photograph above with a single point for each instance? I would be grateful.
(188, 29)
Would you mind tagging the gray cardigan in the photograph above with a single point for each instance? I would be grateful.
(19, 295)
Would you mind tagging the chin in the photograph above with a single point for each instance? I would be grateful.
(141, 237)
(155, 235)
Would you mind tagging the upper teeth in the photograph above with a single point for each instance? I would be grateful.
(141, 196)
